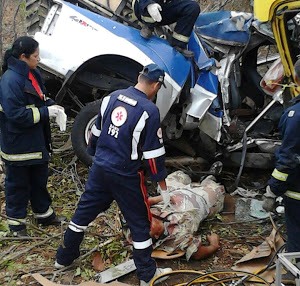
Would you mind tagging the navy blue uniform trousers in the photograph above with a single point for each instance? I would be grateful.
(184, 12)
(24, 184)
(101, 189)
(292, 219)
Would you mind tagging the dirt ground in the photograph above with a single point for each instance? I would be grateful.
(239, 234)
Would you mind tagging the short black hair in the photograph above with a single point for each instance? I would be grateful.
(297, 68)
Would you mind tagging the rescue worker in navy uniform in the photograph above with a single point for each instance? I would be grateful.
(127, 129)
(25, 136)
(166, 12)
(285, 177)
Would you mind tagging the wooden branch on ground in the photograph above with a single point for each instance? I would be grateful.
(16, 255)
(25, 223)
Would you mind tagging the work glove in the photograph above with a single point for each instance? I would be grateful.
(165, 196)
(58, 112)
(53, 110)
(154, 11)
(268, 200)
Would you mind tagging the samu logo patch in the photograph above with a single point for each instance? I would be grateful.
(119, 116)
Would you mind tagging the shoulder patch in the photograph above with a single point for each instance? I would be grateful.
(127, 100)
(291, 113)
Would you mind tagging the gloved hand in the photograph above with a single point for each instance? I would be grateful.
(269, 200)
(154, 11)
(61, 119)
(165, 196)
(53, 110)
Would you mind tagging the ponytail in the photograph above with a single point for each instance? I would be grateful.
(7, 55)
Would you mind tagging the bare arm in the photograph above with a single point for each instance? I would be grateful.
(154, 200)
(206, 251)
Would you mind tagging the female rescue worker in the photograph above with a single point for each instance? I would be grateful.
(25, 136)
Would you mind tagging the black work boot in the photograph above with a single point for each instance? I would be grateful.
(69, 257)
(146, 32)
(69, 250)
(52, 220)
(186, 53)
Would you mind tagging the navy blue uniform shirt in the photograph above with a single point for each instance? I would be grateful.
(127, 131)
(285, 177)
(24, 117)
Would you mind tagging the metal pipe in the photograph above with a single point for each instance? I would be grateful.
(277, 97)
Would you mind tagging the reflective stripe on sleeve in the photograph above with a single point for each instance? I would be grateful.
(95, 131)
(148, 19)
(46, 214)
(293, 195)
(154, 153)
(279, 175)
(180, 37)
(36, 114)
(77, 228)
(143, 244)
(137, 133)
(21, 157)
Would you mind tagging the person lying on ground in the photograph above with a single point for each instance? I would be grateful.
(174, 227)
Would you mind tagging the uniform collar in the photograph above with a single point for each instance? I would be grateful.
(137, 91)
(18, 66)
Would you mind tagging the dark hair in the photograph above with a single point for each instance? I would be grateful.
(22, 45)
(146, 80)
(297, 68)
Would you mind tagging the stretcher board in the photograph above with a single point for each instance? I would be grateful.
(115, 272)
(160, 254)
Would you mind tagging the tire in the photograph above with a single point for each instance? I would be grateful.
(36, 12)
(81, 130)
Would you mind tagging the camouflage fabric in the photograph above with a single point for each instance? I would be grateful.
(191, 203)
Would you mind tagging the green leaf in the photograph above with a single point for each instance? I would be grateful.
(78, 271)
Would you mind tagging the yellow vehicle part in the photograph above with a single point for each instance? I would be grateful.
(273, 11)
(263, 9)
(282, 40)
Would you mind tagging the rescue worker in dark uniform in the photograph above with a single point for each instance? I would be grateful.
(285, 177)
(127, 129)
(159, 12)
(25, 136)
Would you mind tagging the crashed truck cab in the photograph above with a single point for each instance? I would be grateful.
(85, 56)
(280, 14)
(103, 55)
(100, 56)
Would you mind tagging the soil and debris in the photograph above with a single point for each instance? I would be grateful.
(104, 244)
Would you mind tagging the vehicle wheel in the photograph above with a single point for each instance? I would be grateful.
(81, 130)
(36, 12)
